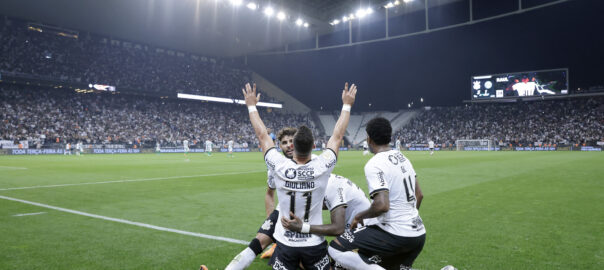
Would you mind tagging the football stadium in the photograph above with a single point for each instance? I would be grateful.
(302, 134)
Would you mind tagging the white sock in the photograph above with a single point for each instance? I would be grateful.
(351, 260)
(242, 260)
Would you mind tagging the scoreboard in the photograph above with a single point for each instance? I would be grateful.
(520, 84)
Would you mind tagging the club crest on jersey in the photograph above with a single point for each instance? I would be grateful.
(267, 225)
(290, 173)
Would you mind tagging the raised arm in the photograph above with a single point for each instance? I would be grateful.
(249, 93)
(348, 96)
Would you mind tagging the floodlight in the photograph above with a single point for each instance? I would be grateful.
(389, 5)
(305, 25)
(281, 15)
(236, 2)
(269, 11)
(336, 22)
(299, 22)
(252, 6)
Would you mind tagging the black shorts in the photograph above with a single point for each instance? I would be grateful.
(289, 258)
(268, 227)
(375, 245)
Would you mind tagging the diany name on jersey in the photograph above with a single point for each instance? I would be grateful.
(300, 185)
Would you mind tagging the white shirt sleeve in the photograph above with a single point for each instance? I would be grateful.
(273, 157)
(270, 181)
(376, 181)
(335, 196)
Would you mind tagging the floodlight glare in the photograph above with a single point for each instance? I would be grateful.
(369, 10)
(269, 11)
(305, 25)
(236, 2)
(344, 19)
(361, 13)
(335, 22)
(396, 3)
(252, 6)
(407, 1)
(389, 5)
(281, 15)
(299, 22)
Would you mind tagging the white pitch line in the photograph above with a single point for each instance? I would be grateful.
(139, 224)
(28, 214)
(128, 180)
(13, 168)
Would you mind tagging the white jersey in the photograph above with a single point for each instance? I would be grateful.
(157, 148)
(68, 147)
(398, 144)
(300, 189)
(392, 171)
(430, 144)
(343, 192)
(365, 145)
(230, 144)
(208, 145)
(525, 88)
(185, 144)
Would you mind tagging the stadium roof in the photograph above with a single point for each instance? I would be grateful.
(206, 27)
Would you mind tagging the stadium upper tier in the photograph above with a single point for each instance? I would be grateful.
(128, 66)
(561, 122)
(48, 116)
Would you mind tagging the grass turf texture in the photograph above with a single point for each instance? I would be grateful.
(482, 210)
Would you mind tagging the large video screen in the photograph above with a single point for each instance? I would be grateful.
(520, 84)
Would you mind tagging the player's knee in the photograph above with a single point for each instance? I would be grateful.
(264, 239)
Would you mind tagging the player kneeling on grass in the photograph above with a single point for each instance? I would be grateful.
(264, 237)
(344, 200)
(398, 237)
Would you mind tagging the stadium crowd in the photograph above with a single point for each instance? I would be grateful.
(128, 66)
(559, 122)
(48, 116)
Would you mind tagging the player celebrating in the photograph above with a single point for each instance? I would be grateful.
(298, 182)
(230, 146)
(431, 146)
(67, 149)
(209, 147)
(185, 146)
(399, 236)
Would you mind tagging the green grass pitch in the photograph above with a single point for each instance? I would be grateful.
(482, 210)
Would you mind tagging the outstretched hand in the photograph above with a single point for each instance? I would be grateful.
(249, 93)
(348, 95)
(294, 224)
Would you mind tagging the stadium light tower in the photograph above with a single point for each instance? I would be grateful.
(421, 100)
(306, 25)
(299, 22)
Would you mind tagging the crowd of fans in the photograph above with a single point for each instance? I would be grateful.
(51, 116)
(128, 66)
(556, 122)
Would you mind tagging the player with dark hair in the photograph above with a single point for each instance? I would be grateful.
(264, 237)
(398, 237)
(297, 182)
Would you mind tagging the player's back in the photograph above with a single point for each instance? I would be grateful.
(392, 171)
(341, 191)
(300, 189)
